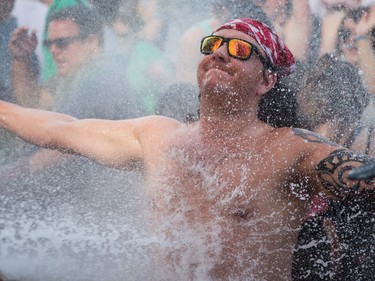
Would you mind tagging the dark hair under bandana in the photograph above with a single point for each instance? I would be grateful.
(280, 57)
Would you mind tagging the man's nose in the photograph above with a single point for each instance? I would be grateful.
(221, 53)
(54, 49)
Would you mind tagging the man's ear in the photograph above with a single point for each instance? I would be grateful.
(269, 81)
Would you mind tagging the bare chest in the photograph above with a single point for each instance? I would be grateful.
(213, 202)
(231, 184)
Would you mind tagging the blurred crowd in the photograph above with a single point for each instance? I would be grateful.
(121, 59)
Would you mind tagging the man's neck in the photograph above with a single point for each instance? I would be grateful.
(219, 125)
(226, 114)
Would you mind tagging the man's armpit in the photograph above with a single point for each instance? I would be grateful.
(333, 173)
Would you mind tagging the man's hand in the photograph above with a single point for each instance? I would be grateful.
(365, 24)
(25, 68)
(22, 43)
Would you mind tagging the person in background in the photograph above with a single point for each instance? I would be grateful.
(353, 44)
(8, 24)
(77, 47)
(330, 239)
(331, 15)
(122, 32)
(227, 195)
(32, 14)
(149, 71)
(9, 144)
(49, 68)
(88, 85)
(364, 41)
(335, 109)
(109, 10)
(2, 277)
(293, 21)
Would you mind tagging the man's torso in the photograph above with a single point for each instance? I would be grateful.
(229, 209)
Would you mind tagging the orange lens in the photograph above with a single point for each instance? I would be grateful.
(211, 44)
(239, 49)
(216, 44)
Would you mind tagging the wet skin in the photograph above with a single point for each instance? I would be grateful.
(235, 198)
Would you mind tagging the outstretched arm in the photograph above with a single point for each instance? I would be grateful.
(113, 143)
(330, 24)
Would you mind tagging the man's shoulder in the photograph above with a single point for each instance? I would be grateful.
(157, 124)
(157, 131)
(311, 137)
(303, 141)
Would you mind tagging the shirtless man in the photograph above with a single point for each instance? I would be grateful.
(228, 193)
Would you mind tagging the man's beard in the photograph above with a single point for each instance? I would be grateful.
(220, 88)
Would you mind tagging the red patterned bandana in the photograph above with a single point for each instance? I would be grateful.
(277, 53)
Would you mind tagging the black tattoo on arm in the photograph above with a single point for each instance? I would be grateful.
(333, 173)
(309, 136)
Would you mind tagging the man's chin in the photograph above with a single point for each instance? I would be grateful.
(217, 85)
(220, 87)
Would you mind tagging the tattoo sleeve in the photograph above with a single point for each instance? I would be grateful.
(333, 173)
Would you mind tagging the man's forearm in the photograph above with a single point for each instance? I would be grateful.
(26, 89)
(112, 143)
(36, 126)
(298, 29)
(366, 62)
(330, 24)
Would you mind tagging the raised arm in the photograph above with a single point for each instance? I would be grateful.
(366, 52)
(24, 68)
(113, 143)
(330, 24)
(298, 29)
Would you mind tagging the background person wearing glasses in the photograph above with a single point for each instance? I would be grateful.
(75, 41)
(87, 85)
(227, 194)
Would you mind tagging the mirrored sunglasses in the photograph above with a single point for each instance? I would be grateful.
(237, 48)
